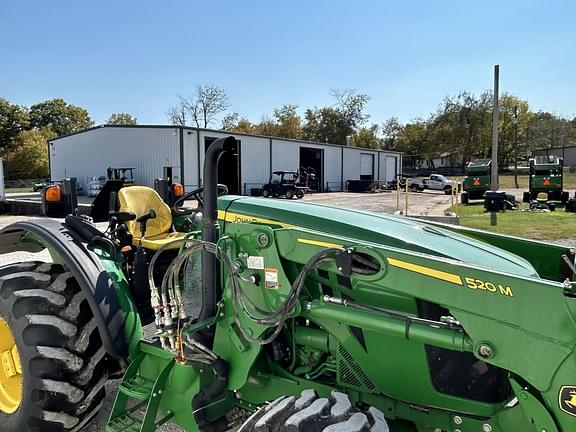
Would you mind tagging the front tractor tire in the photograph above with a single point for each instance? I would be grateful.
(57, 358)
(309, 413)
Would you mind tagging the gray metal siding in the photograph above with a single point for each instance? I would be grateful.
(147, 150)
(285, 155)
(332, 167)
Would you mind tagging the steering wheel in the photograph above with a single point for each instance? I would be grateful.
(197, 195)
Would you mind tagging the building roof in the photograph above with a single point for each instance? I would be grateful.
(216, 131)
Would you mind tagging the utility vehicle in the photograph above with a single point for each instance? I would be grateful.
(273, 315)
(283, 183)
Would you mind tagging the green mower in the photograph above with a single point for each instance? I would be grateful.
(265, 315)
(546, 177)
(477, 180)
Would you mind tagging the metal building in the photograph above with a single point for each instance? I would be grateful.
(567, 153)
(178, 153)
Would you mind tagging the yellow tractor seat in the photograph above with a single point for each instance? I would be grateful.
(140, 200)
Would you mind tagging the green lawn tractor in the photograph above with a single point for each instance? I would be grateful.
(477, 180)
(546, 177)
(277, 315)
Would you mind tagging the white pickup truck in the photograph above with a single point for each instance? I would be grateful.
(434, 182)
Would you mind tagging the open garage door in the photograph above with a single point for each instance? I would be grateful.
(366, 166)
(312, 167)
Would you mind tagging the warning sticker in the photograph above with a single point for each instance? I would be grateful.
(271, 278)
(255, 262)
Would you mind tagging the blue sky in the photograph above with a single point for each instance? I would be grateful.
(137, 56)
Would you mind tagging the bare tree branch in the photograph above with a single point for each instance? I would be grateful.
(202, 108)
(177, 115)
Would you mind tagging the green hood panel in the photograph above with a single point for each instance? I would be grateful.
(377, 228)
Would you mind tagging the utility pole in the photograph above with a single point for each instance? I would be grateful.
(495, 112)
(515, 121)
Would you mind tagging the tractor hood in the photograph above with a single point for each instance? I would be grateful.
(371, 227)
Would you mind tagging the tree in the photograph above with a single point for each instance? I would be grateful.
(13, 120)
(230, 121)
(351, 105)
(27, 156)
(122, 119)
(511, 136)
(202, 108)
(288, 122)
(391, 129)
(367, 137)
(545, 130)
(334, 124)
(178, 115)
(60, 117)
(325, 125)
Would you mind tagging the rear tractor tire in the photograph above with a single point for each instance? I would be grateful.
(265, 193)
(289, 194)
(54, 373)
(309, 413)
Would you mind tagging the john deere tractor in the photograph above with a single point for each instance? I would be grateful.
(477, 180)
(546, 177)
(283, 316)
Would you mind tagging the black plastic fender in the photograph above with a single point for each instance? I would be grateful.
(84, 265)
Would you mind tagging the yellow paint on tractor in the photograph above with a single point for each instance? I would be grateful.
(10, 372)
(437, 274)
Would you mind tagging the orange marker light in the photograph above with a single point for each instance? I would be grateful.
(53, 194)
(178, 189)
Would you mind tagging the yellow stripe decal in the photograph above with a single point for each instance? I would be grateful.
(437, 274)
(319, 243)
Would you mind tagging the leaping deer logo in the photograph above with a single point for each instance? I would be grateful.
(572, 401)
(567, 399)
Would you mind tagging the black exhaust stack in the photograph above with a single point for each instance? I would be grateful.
(209, 221)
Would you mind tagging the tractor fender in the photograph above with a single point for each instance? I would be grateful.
(85, 265)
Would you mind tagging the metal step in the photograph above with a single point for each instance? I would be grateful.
(128, 415)
(126, 423)
(137, 387)
(129, 422)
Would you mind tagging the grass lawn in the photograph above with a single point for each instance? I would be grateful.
(539, 226)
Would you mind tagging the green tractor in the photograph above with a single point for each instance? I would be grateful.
(546, 177)
(477, 180)
(283, 316)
